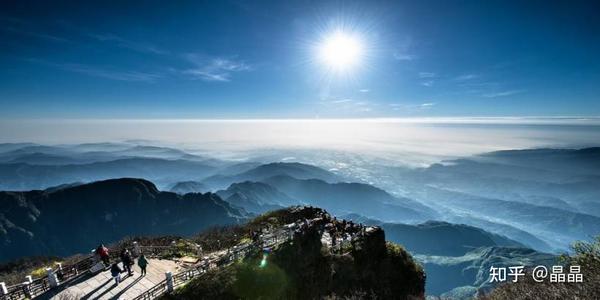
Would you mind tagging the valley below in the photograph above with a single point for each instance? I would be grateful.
(457, 218)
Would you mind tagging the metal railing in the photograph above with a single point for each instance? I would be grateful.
(70, 272)
(154, 292)
(227, 258)
(65, 274)
(15, 292)
(271, 239)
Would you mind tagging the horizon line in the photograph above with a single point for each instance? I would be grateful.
(542, 120)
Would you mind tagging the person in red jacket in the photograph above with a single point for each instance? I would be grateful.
(102, 251)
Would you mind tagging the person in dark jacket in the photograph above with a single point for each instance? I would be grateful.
(143, 263)
(127, 261)
(115, 271)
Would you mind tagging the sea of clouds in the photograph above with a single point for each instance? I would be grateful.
(413, 141)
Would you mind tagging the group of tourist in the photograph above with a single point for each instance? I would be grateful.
(324, 223)
(344, 230)
(126, 260)
(338, 231)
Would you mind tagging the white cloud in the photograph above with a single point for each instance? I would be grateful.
(392, 138)
(207, 75)
(214, 69)
(411, 107)
(404, 56)
(113, 74)
(427, 83)
(35, 34)
(102, 72)
(349, 105)
(341, 101)
(502, 94)
(466, 77)
(26, 28)
(364, 90)
(427, 75)
(123, 43)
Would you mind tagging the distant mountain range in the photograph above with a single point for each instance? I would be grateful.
(457, 257)
(256, 197)
(461, 277)
(343, 198)
(73, 219)
(277, 185)
(185, 187)
(513, 206)
(24, 176)
(443, 238)
(29, 166)
(261, 172)
(544, 198)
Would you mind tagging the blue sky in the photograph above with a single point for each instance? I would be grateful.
(256, 59)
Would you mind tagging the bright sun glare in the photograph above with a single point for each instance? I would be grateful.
(341, 51)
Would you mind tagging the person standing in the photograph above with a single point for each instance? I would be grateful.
(127, 261)
(143, 263)
(115, 271)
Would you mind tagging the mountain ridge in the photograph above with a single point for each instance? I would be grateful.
(38, 222)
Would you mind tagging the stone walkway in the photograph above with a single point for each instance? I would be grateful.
(102, 285)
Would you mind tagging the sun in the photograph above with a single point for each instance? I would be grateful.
(341, 51)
